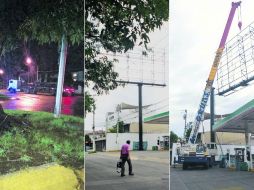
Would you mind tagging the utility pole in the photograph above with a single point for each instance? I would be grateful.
(117, 124)
(93, 128)
(118, 110)
(60, 80)
(140, 116)
(185, 124)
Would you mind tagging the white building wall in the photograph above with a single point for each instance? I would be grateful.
(114, 141)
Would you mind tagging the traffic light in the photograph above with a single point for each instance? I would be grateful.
(158, 142)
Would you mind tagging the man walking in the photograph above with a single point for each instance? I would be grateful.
(125, 156)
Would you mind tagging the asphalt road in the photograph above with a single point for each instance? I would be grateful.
(151, 171)
(32, 102)
(212, 179)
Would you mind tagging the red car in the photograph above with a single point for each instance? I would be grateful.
(68, 91)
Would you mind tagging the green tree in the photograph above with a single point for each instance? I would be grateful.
(173, 138)
(47, 21)
(114, 128)
(116, 26)
(89, 101)
(25, 23)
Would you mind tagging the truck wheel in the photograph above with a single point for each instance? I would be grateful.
(185, 166)
(12, 90)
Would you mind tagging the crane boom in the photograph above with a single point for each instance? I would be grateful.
(213, 71)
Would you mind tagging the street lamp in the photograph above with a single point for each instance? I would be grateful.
(28, 60)
(28, 63)
(1, 73)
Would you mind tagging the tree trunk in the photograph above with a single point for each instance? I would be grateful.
(1, 110)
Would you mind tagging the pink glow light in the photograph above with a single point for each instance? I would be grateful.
(28, 60)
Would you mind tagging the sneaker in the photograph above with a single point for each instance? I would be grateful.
(122, 175)
(131, 173)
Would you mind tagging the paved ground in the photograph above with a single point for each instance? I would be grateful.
(211, 179)
(32, 102)
(151, 171)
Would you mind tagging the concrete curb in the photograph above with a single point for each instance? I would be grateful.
(46, 177)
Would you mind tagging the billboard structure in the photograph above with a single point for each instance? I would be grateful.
(141, 67)
(236, 69)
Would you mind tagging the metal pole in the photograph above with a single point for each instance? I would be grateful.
(250, 142)
(212, 137)
(140, 117)
(37, 73)
(185, 126)
(60, 81)
(93, 130)
(117, 126)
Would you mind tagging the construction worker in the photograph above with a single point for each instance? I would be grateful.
(125, 156)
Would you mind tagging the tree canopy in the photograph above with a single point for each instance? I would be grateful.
(44, 21)
(119, 125)
(117, 26)
(173, 138)
(38, 26)
(47, 21)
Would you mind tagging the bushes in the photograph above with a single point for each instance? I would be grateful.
(43, 139)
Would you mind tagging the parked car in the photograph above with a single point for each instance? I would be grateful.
(47, 88)
(68, 91)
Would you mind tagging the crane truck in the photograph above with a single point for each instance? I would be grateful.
(201, 154)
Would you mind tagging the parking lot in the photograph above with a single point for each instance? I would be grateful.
(212, 179)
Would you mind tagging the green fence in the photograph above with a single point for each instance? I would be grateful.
(136, 145)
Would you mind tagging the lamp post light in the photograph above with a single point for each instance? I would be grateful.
(28, 63)
(1, 73)
(28, 60)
